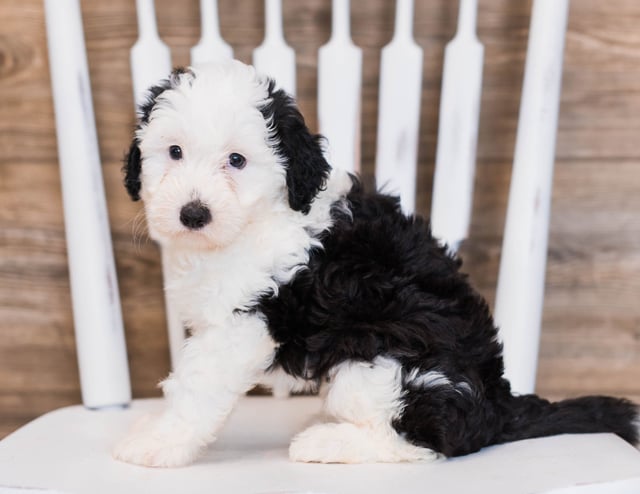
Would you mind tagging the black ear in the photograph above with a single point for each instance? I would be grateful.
(307, 170)
(132, 168)
(133, 160)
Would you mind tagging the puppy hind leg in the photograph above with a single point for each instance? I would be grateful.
(350, 443)
(364, 398)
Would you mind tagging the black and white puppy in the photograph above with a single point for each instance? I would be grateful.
(286, 270)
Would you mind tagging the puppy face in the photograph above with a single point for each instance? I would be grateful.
(217, 149)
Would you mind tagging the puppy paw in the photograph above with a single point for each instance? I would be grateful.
(159, 441)
(329, 443)
(349, 443)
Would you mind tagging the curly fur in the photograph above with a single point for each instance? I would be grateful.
(307, 170)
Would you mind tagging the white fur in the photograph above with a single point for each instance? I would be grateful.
(434, 379)
(430, 379)
(364, 398)
(254, 242)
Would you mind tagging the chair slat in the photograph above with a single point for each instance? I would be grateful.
(399, 110)
(97, 315)
(150, 57)
(211, 46)
(150, 63)
(458, 131)
(339, 88)
(274, 57)
(520, 292)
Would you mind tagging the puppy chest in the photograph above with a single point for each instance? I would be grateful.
(208, 295)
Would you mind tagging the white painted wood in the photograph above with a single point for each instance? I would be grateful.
(452, 199)
(520, 294)
(339, 88)
(250, 456)
(97, 315)
(211, 47)
(399, 110)
(150, 57)
(274, 57)
(150, 63)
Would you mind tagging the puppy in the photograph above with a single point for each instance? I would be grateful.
(286, 269)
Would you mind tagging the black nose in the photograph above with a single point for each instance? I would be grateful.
(195, 215)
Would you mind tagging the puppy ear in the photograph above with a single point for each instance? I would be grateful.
(307, 170)
(133, 160)
(132, 168)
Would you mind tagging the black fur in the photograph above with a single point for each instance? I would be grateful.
(132, 168)
(382, 285)
(132, 161)
(307, 170)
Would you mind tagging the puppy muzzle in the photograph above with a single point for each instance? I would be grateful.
(195, 215)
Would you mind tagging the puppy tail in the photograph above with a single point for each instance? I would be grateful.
(530, 416)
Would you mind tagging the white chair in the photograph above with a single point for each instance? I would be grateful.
(68, 450)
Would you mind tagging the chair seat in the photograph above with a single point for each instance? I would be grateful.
(68, 451)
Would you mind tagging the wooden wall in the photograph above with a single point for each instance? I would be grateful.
(591, 334)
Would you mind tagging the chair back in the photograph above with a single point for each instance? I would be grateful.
(97, 317)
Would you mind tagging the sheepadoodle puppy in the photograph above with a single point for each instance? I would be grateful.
(286, 270)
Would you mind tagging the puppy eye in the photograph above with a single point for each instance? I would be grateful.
(237, 160)
(175, 152)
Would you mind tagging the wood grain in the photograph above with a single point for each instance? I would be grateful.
(591, 326)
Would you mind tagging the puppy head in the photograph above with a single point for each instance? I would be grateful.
(216, 149)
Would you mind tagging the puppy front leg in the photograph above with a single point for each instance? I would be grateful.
(217, 365)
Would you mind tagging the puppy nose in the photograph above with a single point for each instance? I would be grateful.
(195, 215)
